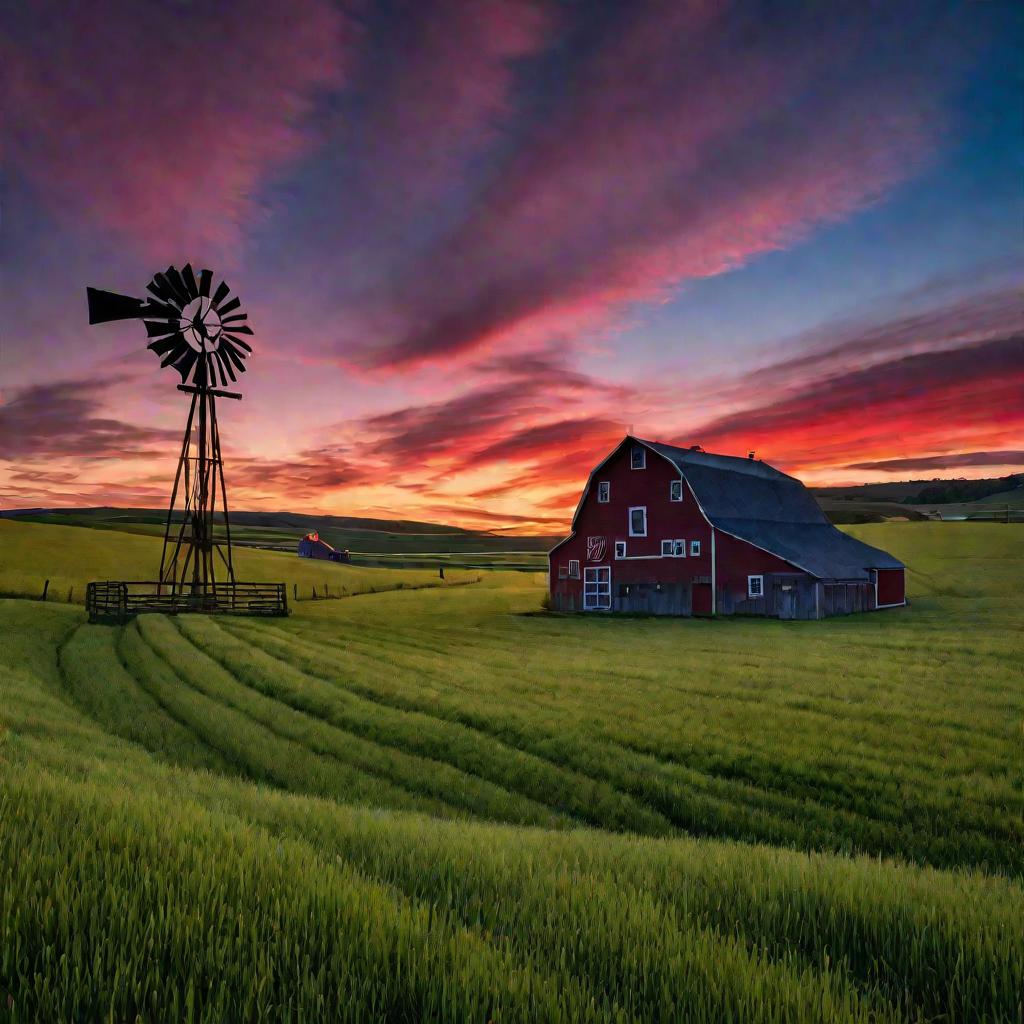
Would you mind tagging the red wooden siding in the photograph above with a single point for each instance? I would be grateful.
(890, 587)
(666, 520)
(735, 560)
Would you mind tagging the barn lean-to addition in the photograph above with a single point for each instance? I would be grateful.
(680, 531)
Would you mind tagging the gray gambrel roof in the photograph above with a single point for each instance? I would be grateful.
(763, 506)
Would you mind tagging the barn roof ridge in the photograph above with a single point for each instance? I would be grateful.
(757, 503)
(729, 463)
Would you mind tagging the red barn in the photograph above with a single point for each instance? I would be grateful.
(679, 531)
(311, 546)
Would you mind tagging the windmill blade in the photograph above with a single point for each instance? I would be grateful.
(184, 366)
(225, 369)
(176, 353)
(105, 307)
(230, 352)
(211, 368)
(228, 307)
(205, 279)
(214, 364)
(160, 310)
(234, 319)
(190, 280)
(165, 290)
(238, 342)
(159, 288)
(222, 292)
(163, 345)
(172, 275)
(158, 328)
(240, 329)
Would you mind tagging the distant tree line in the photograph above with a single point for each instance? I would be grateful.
(946, 492)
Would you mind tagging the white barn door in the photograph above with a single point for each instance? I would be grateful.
(597, 588)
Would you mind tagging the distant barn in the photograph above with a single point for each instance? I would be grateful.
(679, 531)
(311, 546)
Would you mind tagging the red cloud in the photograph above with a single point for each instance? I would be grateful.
(158, 122)
(969, 395)
(661, 162)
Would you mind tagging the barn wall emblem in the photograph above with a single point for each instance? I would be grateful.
(596, 548)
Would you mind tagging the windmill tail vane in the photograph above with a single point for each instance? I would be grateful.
(196, 328)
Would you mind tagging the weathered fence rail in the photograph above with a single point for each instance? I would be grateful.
(119, 600)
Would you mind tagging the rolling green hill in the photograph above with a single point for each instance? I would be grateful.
(442, 804)
(372, 542)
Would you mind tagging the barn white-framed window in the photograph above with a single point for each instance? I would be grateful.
(666, 548)
(574, 568)
(638, 521)
(563, 572)
(638, 457)
(675, 490)
(694, 548)
(755, 586)
(620, 549)
(679, 548)
(604, 491)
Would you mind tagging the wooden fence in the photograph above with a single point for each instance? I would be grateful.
(119, 600)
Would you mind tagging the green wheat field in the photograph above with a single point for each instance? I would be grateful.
(430, 800)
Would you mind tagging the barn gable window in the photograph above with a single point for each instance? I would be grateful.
(755, 586)
(638, 457)
(679, 548)
(620, 549)
(666, 549)
(638, 521)
(675, 490)
(604, 491)
(574, 569)
(563, 572)
(694, 548)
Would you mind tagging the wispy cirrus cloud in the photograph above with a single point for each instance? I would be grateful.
(313, 474)
(659, 164)
(158, 122)
(66, 419)
(965, 396)
(957, 460)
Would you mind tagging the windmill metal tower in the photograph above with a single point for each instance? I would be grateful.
(199, 331)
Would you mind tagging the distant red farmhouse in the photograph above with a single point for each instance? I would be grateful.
(677, 531)
(311, 546)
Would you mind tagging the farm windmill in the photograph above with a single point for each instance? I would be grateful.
(200, 331)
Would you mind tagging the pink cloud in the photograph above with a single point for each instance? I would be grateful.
(435, 92)
(967, 396)
(661, 163)
(158, 122)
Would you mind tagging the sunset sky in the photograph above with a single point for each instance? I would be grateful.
(480, 240)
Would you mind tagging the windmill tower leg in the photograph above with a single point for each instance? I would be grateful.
(172, 546)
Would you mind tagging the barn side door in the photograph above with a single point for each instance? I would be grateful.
(701, 599)
(785, 600)
(597, 588)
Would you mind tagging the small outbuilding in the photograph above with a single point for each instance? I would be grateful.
(311, 546)
(679, 531)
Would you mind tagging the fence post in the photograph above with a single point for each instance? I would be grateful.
(46, 587)
(295, 590)
(314, 591)
(71, 591)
